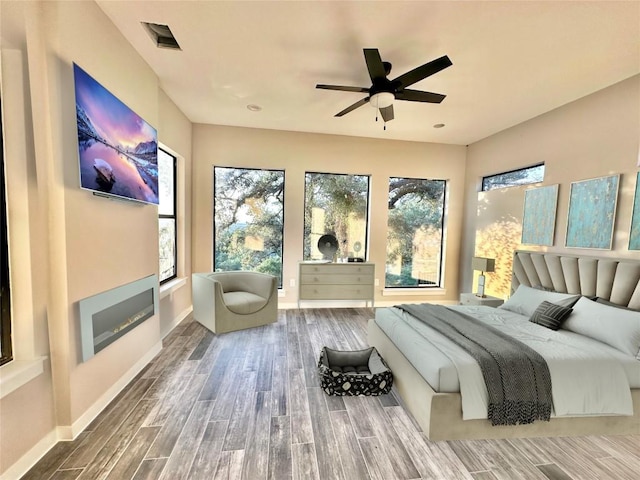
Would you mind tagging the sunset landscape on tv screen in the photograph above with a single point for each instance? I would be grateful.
(118, 150)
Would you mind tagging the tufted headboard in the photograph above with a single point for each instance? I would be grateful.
(617, 281)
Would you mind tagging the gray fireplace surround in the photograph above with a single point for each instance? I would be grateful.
(107, 316)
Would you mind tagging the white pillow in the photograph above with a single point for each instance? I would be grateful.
(614, 326)
(525, 300)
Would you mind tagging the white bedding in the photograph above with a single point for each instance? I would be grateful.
(588, 377)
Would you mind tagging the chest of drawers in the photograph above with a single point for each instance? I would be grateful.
(336, 281)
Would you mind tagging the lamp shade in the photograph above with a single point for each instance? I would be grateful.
(483, 264)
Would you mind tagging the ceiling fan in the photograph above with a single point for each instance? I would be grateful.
(383, 91)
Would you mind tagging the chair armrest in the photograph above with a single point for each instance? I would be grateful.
(206, 295)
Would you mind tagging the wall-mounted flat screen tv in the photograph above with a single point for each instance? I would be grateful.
(118, 150)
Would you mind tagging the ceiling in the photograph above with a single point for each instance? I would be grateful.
(512, 60)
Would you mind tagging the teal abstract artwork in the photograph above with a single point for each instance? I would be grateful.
(592, 210)
(539, 218)
(634, 238)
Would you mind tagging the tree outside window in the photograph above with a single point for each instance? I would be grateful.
(513, 178)
(415, 232)
(338, 205)
(248, 220)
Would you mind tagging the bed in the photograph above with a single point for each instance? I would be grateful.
(430, 390)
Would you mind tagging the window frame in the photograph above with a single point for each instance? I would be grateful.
(213, 223)
(365, 251)
(173, 217)
(6, 351)
(443, 234)
(530, 167)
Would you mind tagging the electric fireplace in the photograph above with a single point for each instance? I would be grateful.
(107, 316)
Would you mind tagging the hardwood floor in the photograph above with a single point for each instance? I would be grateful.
(248, 405)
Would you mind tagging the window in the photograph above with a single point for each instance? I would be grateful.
(513, 178)
(248, 220)
(338, 205)
(415, 232)
(167, 223)
(6, 347)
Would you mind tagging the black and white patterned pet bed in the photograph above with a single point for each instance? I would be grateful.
(360, 372)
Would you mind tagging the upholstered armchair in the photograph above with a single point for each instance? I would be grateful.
(228, 301)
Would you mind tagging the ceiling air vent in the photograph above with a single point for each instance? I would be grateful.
(161, 35)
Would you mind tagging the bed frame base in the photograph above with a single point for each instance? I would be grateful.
(440, 414)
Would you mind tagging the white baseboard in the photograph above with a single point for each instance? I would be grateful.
(176, 321)
(30, 458)
(70, 432)
(66, 432)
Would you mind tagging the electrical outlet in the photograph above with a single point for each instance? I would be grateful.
(377, 282)
(292, 282)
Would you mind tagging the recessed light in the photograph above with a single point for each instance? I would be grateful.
(438, 125)
(254, 108)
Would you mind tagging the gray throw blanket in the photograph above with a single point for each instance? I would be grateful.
(516, 376)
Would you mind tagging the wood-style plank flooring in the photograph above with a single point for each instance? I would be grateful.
(248, 405)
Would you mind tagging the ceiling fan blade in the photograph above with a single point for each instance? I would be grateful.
(343, 88)
(352, 107)
(387, 113)
(418, 96)
(374, 63)
(422, 72)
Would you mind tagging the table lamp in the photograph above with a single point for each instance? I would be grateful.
(482, 265)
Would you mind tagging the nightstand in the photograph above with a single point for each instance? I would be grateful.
(472, 299)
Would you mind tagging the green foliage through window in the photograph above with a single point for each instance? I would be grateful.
(513, 178)
(338, 205)
(248, 220)
(415, 232)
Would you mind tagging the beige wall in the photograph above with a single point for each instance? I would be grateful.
(594, 136)
(72, 243)
(297, 153)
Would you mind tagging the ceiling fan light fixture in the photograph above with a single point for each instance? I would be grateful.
(382, 99)
(384, 91)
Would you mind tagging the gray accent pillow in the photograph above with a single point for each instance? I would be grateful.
(550, 315)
